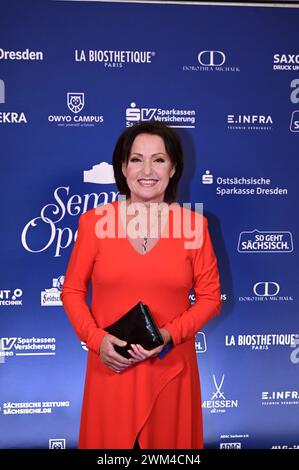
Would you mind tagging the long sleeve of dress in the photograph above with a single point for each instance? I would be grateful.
(207, 292)
(75, 286)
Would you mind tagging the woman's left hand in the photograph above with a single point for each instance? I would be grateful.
(139, 354)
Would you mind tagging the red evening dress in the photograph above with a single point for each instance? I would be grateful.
(157, 400)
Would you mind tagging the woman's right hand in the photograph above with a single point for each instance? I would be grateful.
(110, 357)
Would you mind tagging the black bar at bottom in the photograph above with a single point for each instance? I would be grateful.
(132, 458)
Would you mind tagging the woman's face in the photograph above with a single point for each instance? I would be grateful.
(148, 169)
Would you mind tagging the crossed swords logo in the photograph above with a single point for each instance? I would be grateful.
(218, 393)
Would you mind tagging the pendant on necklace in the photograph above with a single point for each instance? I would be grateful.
(144, 244)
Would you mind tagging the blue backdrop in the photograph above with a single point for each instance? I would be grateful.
(73, 75)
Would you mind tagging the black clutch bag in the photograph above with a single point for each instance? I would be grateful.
(136, 327)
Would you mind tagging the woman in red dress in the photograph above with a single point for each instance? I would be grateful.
(151, 401)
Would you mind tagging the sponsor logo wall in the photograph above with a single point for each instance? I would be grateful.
(65, 97)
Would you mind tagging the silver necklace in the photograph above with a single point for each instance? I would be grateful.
(144, 244)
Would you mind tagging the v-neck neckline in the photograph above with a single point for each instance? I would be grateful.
(127, 240)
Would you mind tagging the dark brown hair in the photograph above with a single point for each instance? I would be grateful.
(173, 147)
